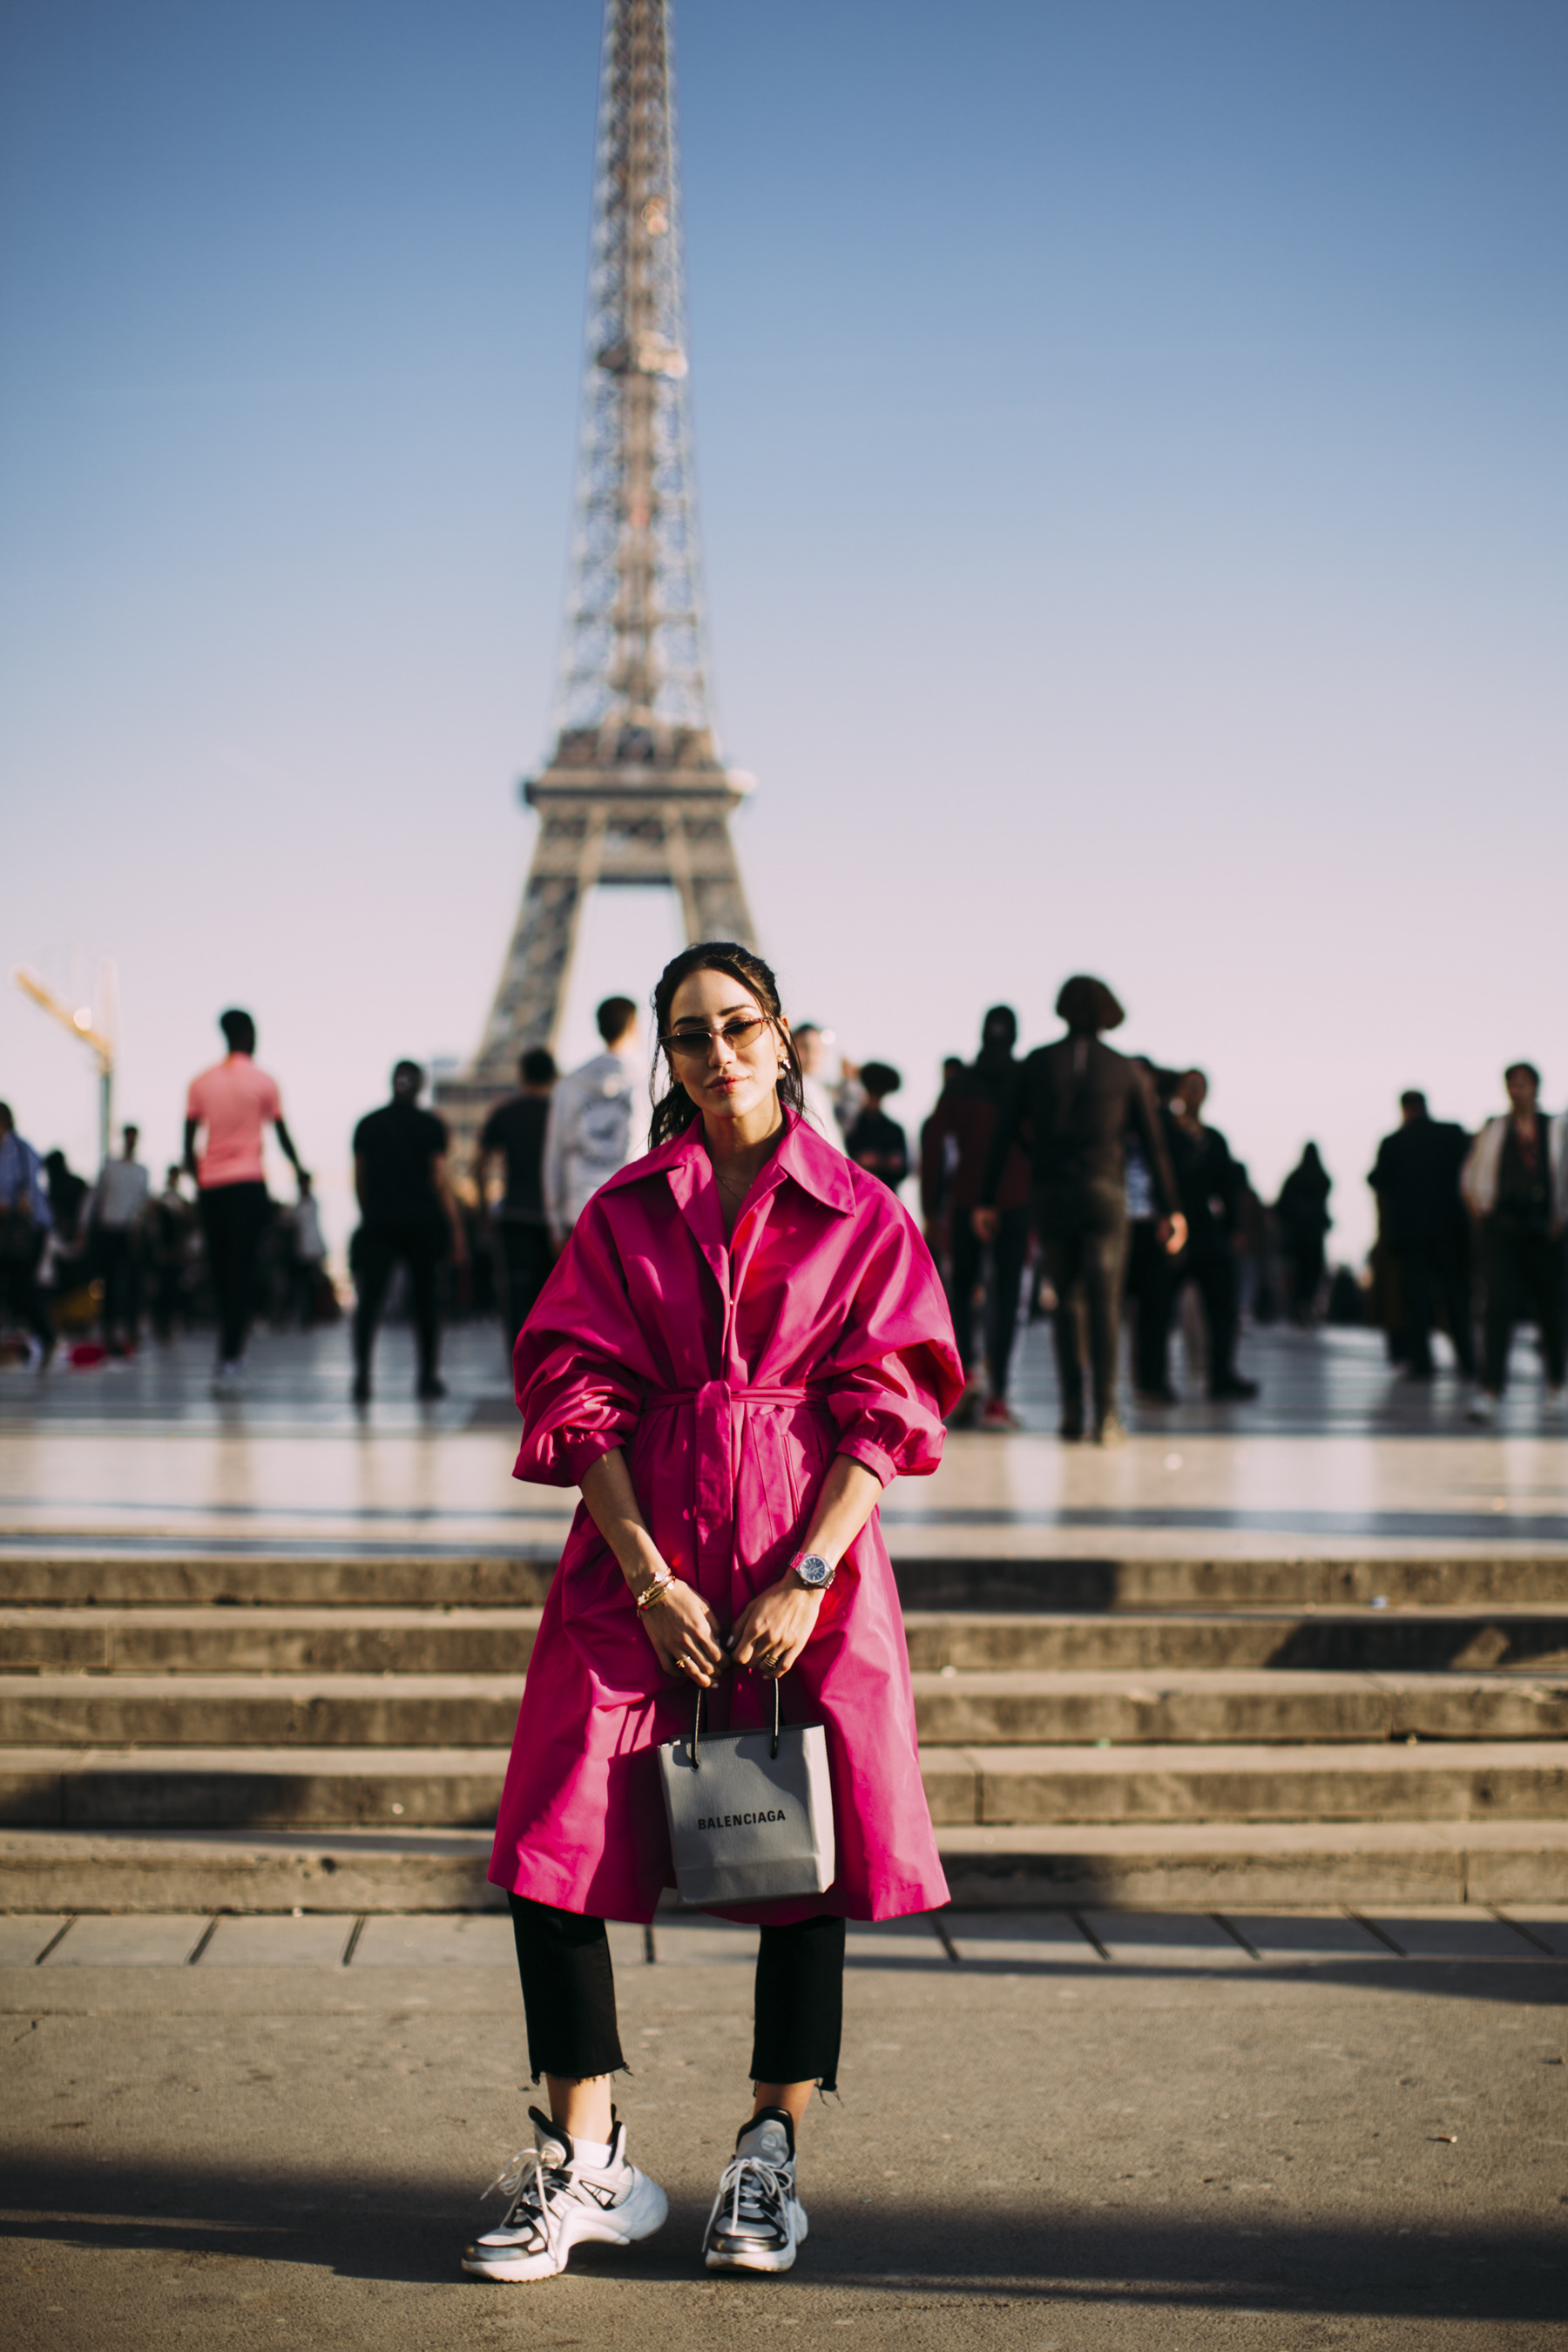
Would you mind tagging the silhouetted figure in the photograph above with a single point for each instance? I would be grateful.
(954, 1142)
(114, 1226)
(516, 1129)
(233, 1102)
(171, 1221)
(68, 1197)
(1152, 1277)
(1516, 1186)
(1211, 1184)
(1072, 1105)
(409, 1216)
(308, 1289)
(875, 1141)
(1423, 1233)
(26, 1220)
(1302, 1210)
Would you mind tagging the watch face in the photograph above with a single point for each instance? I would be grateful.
(813, 1571)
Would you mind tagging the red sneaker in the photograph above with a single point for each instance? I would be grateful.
(999, 1415)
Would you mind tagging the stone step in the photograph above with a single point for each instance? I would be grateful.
(991, 1580)
(1442, 1780)
(245, 1640)
(284, 1788)
(446, 1640)
(130, 1580)
(390, 1710)
(1199, 1866)
(1385, 1641)
(1093, 1585)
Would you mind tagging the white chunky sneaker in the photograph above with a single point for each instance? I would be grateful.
(757, 2220)
(557, 2202)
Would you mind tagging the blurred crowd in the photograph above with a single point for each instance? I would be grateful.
(1072, 1183)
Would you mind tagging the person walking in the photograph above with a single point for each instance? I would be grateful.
(811, 1042)
(516, 1130)
(1151, 1281)
(308, 1261)
(25, 1219)
(409, 1215)
(1072, 1104)
(743, 1342)
(114, 1217)
(1422, 1228)
(588, 1134)
(234, 1103)
(954, 1142)
(1515, 1185)
(875, 1141)
(1302, 1210)
(1210, 1182)
(170, 1230)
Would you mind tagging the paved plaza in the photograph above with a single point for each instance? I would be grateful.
(1125, 2131)
(1338, 1452)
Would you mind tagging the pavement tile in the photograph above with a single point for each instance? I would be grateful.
(911, 1943)
(1183, 1939)
(133, 1939)
(24, 1933)
(1312, 1935)
(1020, 1938)
(1546, 1921)
(435, 1939)
(1458, 1934)
(316, 1941)
(700, 1941)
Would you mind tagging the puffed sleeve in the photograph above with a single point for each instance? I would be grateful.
(893, 1373)
(581, 1364)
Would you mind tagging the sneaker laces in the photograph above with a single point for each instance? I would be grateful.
(524, 2181)
(752, 2184)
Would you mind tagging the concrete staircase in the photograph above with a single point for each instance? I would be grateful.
(214, 1733)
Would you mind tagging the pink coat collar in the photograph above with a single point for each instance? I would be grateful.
(815, 1164)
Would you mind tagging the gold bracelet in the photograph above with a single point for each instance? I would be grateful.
(656, 1591)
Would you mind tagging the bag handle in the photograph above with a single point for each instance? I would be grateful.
(697, 1727)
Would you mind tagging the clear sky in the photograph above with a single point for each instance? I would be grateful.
(1130, 438)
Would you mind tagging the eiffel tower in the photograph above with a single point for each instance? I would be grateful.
(634, 791)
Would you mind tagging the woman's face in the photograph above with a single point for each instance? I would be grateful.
(730, 1069)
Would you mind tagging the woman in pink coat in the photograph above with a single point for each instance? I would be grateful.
(742, 1343)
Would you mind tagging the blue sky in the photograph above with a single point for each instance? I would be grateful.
(1130, 440)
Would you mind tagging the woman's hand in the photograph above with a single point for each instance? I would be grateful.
(685, 1635)
(774, 1627)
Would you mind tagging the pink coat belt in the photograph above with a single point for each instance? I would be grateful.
(714, 1401)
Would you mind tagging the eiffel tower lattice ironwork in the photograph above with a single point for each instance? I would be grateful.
(634, 791)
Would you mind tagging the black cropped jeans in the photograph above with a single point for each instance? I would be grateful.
(569, 1997)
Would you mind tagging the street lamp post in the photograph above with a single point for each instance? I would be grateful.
(81, 1025)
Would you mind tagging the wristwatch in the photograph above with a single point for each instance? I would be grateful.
(814, 1572)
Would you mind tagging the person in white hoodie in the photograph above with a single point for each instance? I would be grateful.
(592, 1119)
(1515, 1183)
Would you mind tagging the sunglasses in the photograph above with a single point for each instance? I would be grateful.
(688, 1043)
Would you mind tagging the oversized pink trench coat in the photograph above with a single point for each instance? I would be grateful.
(732, 1373)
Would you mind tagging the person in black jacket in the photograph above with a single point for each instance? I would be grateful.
(409, 1213)
(1072, 1104)
(1211, 1184)
(1423, 1227)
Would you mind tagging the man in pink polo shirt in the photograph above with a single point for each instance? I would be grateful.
(233, 1101)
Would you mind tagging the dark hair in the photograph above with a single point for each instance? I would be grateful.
(615, 1017)
(537, 1066)
(880, 1078)
(1413, 1100)
(1000, 1017)
(674, 1111)
(239, 1031)
(413, 1078)
(1530, 1070)
(5, 1114)
(1086, 1003)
